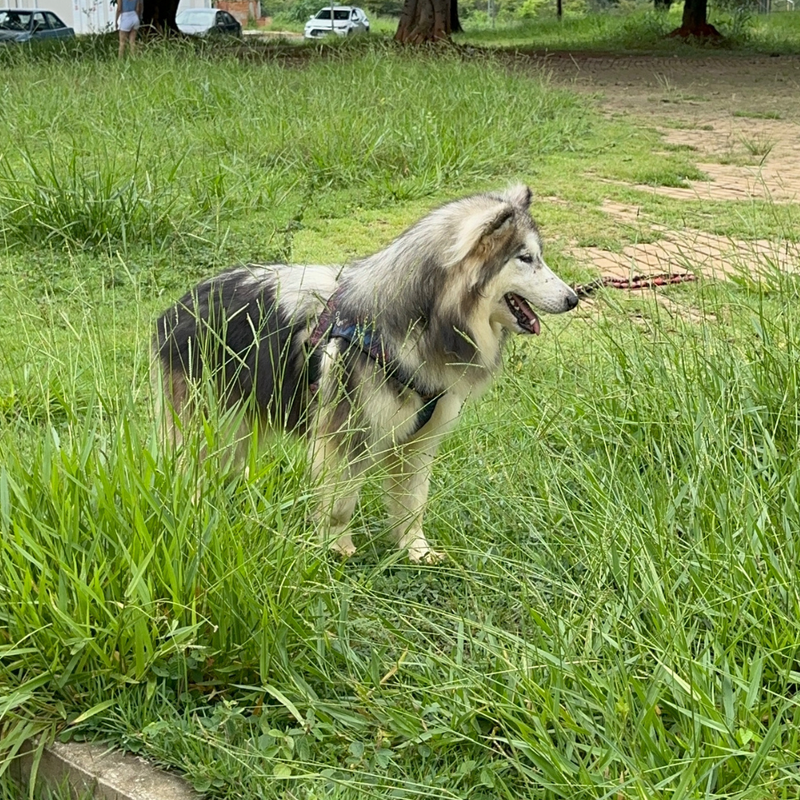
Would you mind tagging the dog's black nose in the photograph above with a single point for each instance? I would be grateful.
(572, 301)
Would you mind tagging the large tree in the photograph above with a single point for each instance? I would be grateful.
(695, 21)
(427, 21)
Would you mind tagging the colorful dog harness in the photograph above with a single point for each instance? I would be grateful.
(367, 339)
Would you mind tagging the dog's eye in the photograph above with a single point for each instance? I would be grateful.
(525, 258)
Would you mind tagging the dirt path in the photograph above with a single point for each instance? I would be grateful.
(741, 115)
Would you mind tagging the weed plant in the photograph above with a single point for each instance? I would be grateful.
(618, 616)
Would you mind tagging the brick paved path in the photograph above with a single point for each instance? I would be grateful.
(721, 106)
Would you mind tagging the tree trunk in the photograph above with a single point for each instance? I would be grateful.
(159, 15)
(455, 23)
(695, 14)
(425, 21)
(695, 21)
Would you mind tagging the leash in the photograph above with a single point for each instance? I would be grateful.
(367, 338)
(634, 282)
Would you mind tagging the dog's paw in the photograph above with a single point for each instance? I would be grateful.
(427, 556)
(343, 549)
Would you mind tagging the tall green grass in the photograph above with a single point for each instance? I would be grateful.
(159, 149)
(618, 616)
(619, 612)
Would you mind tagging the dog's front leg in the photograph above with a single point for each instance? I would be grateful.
(406, 486)
(338, 482)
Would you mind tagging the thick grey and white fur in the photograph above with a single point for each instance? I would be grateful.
(443, 296)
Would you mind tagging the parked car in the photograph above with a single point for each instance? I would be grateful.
(344, 21)
(31, 25)
(208, 22)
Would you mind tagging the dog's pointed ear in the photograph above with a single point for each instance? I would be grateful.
(480, 229)
(519, 196)
(501, 218)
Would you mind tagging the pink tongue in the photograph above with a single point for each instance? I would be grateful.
(528, 311)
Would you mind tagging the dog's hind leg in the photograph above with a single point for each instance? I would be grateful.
(338, 482)
(406, 486)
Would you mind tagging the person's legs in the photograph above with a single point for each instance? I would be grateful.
(132, 41)
(122, 37)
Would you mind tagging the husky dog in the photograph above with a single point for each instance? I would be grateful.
(373, 361)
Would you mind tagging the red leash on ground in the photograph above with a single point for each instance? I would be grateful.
(634, 282)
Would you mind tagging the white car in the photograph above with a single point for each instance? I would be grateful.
(341, 20)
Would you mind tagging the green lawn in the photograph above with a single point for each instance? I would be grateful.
(614, 31)
(619, 615)
(640, 31)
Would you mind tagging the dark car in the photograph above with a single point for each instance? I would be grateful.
(208, 22)
(31, 25)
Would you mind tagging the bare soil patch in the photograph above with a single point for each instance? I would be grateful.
(689, 250)
(741, 117)
(699, 87)
(771, 145)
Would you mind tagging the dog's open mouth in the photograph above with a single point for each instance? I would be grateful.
(523, 313)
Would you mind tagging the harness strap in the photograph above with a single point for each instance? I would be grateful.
(331, 326)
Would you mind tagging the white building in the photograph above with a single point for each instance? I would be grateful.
(88, 16)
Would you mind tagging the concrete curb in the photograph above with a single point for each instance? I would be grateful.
(95, 770)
